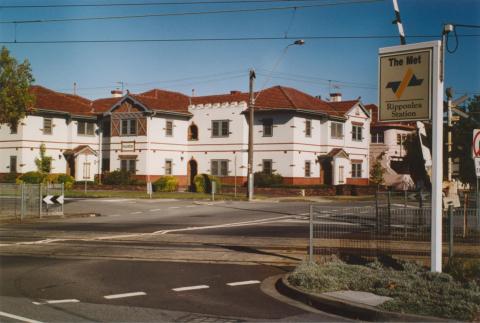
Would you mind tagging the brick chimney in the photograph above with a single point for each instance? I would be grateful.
(235, 92)
(335, 97)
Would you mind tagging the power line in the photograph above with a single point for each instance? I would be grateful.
(143, 4)
(191, 13)
(180, 40)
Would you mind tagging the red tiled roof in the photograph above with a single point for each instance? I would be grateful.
(47, 99)
(376, 124)
(155, 99)
(277, 97)
(343, 107)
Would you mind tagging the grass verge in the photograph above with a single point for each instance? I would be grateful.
(414, 289)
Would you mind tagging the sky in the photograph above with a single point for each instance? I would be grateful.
(320, 66)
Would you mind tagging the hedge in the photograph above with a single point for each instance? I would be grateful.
(203, 183)
(165, 184)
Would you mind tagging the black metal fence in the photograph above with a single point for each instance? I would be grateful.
(401, 232)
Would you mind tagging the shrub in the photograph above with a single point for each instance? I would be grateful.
(32, 178)
(165, 184)
(262, 179)
(203, 183)
(67, 180)
(9, 178)
(118, 177)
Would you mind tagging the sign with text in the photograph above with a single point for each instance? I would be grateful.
(476, 143)
(477, 166)
(405, 83)
(127, 146)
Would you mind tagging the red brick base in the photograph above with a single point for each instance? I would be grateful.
(357, 181)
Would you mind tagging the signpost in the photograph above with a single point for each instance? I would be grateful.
(476, 143)
(411, 89)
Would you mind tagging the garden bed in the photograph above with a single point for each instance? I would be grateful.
(414, 289)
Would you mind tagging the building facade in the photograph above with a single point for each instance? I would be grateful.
(156, 133)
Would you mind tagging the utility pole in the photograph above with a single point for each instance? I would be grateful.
(251, 104)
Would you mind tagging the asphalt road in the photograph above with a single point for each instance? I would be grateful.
(65, 269)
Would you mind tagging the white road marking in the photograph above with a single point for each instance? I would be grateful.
(191, 206)
(19, 318)
(57, 301)
(155, 210)
(227, 225)
(247, 282)
(181, 289)
(115, 215)
(125, 295)
(307, 213)
(174, 207)
(138, 212)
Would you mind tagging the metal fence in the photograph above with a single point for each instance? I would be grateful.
(30, 200)
(400, 232)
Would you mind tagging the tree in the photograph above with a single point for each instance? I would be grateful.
(462, 135)
(377, 172)
(15, 81)
(44, 163)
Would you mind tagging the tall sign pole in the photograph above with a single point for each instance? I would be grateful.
(411, 89)
(251, 104)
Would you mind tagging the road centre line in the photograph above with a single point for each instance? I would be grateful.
(57, 301)
(191, 206)
(114, 296)
(247, 282)
(137, 212)
(174, 207)
(19, 318)
(155, 210)
(181, 289)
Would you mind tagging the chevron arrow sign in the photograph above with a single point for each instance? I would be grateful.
(53, 199)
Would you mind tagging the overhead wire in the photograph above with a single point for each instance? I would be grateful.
(190, 13)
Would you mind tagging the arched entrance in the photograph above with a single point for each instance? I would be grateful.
(191, 173)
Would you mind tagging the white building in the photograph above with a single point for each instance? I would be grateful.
(305, 139)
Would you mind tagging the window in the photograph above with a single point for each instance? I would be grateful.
(13, 164)
(169, 128)
(308, 168)
(129, 127)
(356, 133)
(219, 167)
(356, 169)
(105, 164)
(128, 165)
(220, 128)
(401, 138)
(193, 132)
(168, 167)
(308, 128)
(85, 128)
(267, 166)
(377, 137)
(341, 174)
(47, 126)
(86, 170)
(267, 127)
(336, 130)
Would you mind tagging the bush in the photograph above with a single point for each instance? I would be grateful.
(67, 180)
(262, 179)
(165, 184)
(203, 183)
(32, 178)
(9, 178)
(118, 177)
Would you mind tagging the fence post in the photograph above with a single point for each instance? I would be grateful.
(450, 232)
(376, 212)
(405, 198)
(22, 201)
(40, 200)
(389, 214)
(310, 244)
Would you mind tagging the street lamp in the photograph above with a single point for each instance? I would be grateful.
(251, 106)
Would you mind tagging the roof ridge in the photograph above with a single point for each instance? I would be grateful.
(286, 95)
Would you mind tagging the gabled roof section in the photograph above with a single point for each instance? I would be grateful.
(334, 153)
(343, 107)
(152, 101)
(46, 99)
(275, 98)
